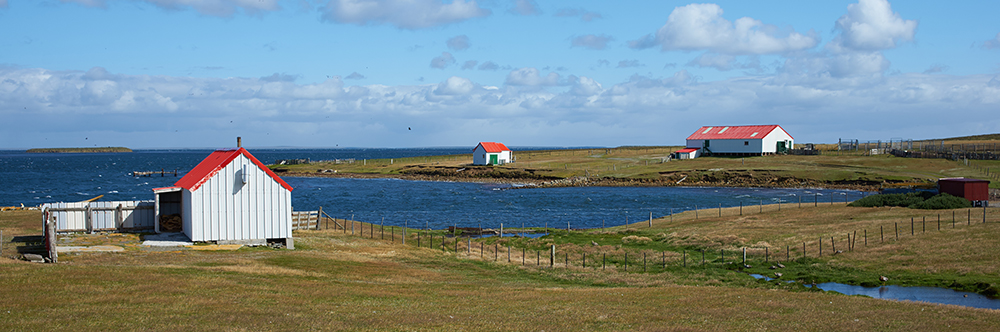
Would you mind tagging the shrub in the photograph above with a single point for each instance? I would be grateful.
(943, 201)
(917, 200)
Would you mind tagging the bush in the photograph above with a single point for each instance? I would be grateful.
(943, 201)
(917, 200)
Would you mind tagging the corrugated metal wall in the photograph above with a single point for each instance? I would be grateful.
(224, 208)
(135, 215)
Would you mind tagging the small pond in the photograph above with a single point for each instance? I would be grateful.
(909, 293)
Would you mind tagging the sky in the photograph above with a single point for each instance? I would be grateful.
(429, 73)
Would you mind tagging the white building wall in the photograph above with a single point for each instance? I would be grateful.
(772, 139)
(225, 208)
(730, 145)
(481, 157)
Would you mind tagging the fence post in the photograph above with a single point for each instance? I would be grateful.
(319, 218)
(404, 233)
(720, 210)
(650, 219)
(803, 250)
(552, 256)
(626, 261)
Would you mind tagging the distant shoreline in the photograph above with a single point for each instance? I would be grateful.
(80, 150)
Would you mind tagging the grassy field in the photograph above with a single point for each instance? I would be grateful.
(338, 281)
(646, 165)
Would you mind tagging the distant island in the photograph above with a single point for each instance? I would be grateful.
(80, 150)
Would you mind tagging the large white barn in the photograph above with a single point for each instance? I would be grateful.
(230, 197)
(491, 153)
(741, 140)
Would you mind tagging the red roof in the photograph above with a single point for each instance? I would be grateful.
(212, 164)
(686, 150)
(493, 147)
(735, 132)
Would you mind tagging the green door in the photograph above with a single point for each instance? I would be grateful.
(781, 147)
(493, 159)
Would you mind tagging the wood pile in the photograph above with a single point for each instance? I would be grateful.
(170, 223)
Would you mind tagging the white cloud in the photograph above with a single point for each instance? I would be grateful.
(584, 15)
(525, 7)
(458, 43)
(629, 64)
(222, 8)
(870, 25)
(470, 64)
(404, 14)
(586, 86)
(936, 68)
(455, 86)
(489, 65)
(724, 62)
(594, 42)
(698, 27)
(992, 43)
(534, 109)
(530, 76)
(443, 61)
(354, 76)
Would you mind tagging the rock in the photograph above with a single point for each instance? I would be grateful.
(34, 258)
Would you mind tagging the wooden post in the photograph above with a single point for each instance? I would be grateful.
(650, 219)
(833, 245)
(604, 261)
(403, 232)
(643, 261)
(788, 252)
(552, 256)
(696, 211)
(761, 206)
(911, 226)
(626, 261)
(866, 237)
(803, 250)
(923, 224)
(744, 256)
(720, 210)
(896, 226)
(88, 219)
(119, 220)
(319, 218)
(741, 208)
(382, 229)
(766, 254)
(821, 247)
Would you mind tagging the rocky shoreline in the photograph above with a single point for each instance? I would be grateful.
(665, 181)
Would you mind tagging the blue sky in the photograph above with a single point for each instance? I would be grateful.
(411, 73)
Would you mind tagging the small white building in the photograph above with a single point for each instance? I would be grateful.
(686, 154)
(230, 197)
(741, 140)
(491, 153)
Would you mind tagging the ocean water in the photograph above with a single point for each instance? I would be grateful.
(33, 179)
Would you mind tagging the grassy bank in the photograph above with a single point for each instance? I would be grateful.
(338, 281)
(647, 166)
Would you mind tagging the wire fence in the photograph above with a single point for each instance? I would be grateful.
(626, 259)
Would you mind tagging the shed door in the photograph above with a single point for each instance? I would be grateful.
(493, 159)
(781, 147)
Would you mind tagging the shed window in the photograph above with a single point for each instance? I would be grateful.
(746, 142)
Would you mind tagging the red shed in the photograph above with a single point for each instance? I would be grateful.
(975, 190)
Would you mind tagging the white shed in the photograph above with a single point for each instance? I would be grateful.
(687, 153)
(230, 197)
(491, 153)
(741, 140)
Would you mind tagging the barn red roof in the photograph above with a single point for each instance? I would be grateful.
(735, 132)
(493, 147)
(215, 162)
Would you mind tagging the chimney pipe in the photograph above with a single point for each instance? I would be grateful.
(239, 143)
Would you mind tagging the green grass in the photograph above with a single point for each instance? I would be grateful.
(344, 282)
